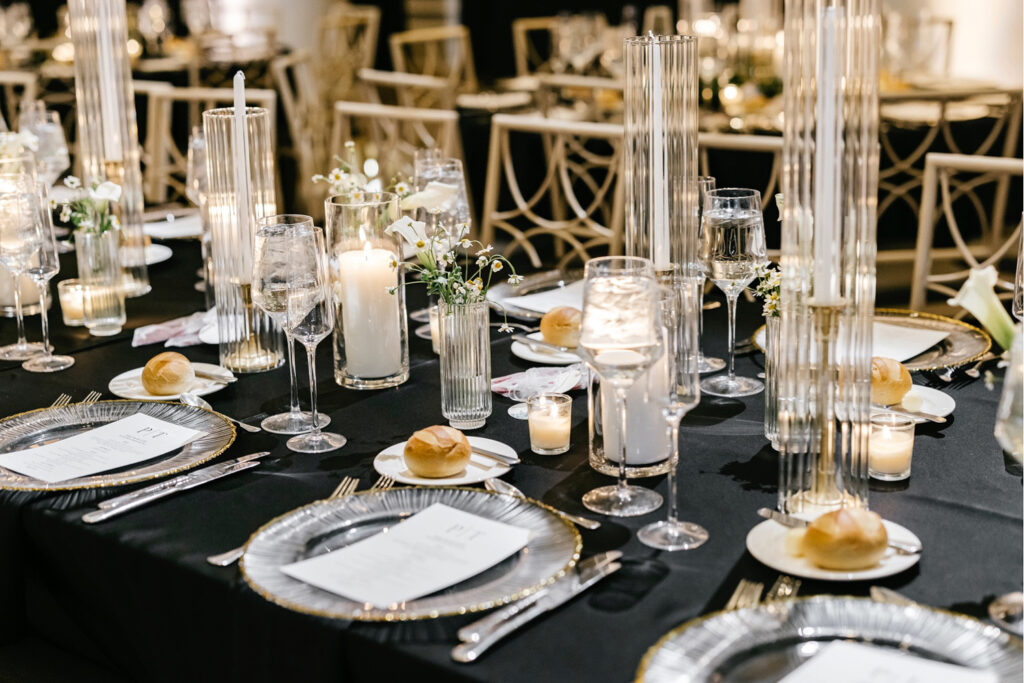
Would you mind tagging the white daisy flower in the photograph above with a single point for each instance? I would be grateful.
(481, 261)
(72, 182)
(496, 265)
(486, 250)
(401, 189)
(514, 280)
(505, 327)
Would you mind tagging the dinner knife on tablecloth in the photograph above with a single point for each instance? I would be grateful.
(782, 518)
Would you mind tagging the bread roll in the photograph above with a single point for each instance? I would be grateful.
(561, 326)
(168, 373)
(890, 381)
(437, 451)
(847, 539)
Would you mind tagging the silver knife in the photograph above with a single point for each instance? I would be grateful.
(562, 591)
(472, 633)
(500, 457)
(223, 379)
(912, 414)
(782, 518)
(106, 513)
(117, 501)
(543, 345)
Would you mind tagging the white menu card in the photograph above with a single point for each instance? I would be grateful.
(433, 549)
(118, 444)
(542, 302)
(902, 343)
(845, 662)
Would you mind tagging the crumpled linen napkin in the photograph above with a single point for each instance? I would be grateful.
(520, 386)
(177, 332)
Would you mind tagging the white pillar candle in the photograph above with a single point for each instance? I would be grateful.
(827, 153)
(111, 99)
(435, 330)
(659, 201)
(647, 438)
(370, 316)
(240, 166)
(890, 451)
(549, 430)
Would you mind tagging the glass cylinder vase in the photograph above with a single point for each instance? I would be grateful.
(827, 289)
(99, 271)
(772, 329)
(371, 335)
(240, 193)
(465, 343)
(107, 134)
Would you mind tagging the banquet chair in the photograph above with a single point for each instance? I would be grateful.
(442, 51)
(528, 35)
(17, 87)
(171, 114)
(390, 135)
(658, 20)
(347, 43)
(996, 242)
(575, 204)
(407, 90)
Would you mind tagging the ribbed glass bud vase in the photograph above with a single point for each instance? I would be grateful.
(465, 363)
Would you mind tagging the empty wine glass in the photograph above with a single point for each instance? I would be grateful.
(270, 277)
(620, 339)
(18, 219)
(52, 157)
(705, 184)
(731, 249)
(310, 318)
(44, 264)
(680, 311)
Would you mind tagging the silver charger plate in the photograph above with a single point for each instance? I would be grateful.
(46, 425)
(327, 525)
(498, 295)
(767, 642)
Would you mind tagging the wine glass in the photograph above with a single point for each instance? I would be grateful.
(52, 157)
(18, 217)
(270, 276)
(705, 184)
(680, 312)
(731, 249)
(310, 318)
(44, 264)
(620, 339)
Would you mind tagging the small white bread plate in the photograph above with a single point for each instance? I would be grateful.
(129, 384)
(767, 543)
(391, 463)
(536, 355)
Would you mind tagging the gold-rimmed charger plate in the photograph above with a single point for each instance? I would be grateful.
(769, 641)
(327, 525)
(965, 343)
(46, 425)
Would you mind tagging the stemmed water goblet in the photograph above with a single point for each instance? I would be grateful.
(43, 265)
(271, 264)
(310, 318)
(705, 184)
(731, 249)
(620, 339)
(52, 157)
(680, 310)
(18, 219)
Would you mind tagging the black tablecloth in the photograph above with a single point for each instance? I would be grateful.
(137, 595)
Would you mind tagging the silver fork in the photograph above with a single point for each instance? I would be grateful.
(784, 588)
(61, 401)
(946, 375)
(747, 594)
(346, 487)
(92, 397)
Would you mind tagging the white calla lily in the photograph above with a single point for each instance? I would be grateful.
(413, 232)
(106, 190)
(434, 196)
(978, 296)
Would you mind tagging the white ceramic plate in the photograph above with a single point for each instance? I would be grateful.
(535, 355)
(157, 253)
(767, 543)
(390, 462)
(933, 402)
(129, 384)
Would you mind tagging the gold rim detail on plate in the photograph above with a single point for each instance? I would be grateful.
(377, 615)
(122, 479)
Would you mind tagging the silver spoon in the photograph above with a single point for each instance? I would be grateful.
(975, 370)
(190, 399)
(499, 486)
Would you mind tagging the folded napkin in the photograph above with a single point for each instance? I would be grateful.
(542, 302)
(177, 332)
(175, 228)
(520, 386)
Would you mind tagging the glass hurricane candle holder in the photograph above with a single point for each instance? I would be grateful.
(371, 335)
(70, 293)
(550, 422)
(99, 269)
(890, 447)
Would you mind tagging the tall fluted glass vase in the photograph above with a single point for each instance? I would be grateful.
(465, 344)
(830, 182)
(108, 139)
(772, 334)
(241, 192)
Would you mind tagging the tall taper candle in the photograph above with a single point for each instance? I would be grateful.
(827, 154)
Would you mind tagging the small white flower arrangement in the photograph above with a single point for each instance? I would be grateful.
(769, 279)
(13, 144)
(345, 177)
(91, 209)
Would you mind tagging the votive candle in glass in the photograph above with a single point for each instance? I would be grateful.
(550, 419)
(890, 447)
(71, 303)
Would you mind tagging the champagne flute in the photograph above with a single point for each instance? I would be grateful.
(18, 218)
(310, 318)
(620, 339)
(680, 311)
(705, 184)
(731, 249)
(44, 264)
(270, 276)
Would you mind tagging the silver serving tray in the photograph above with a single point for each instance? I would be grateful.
(766, 643)
(327, 525)
(46, 425)
(498, 295)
